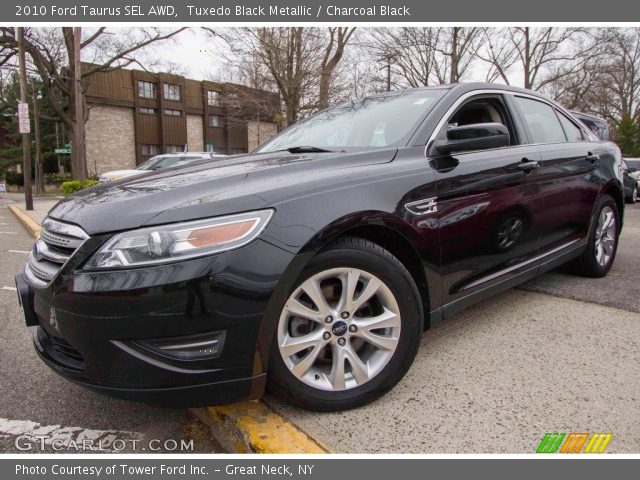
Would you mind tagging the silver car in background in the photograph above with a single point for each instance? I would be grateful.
(159, 161)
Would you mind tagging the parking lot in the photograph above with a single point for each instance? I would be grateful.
(559, 354)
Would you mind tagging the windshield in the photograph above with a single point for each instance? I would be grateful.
(163, 161)
(371, 122)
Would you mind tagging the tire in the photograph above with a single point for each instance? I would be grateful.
(633, 198)
(323, 377)
(591, 263)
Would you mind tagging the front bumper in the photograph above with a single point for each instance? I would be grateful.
(93, 327)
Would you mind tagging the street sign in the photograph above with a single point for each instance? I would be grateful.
(24, 125)
(63, 151)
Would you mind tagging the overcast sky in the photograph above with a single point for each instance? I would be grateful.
(195, 54)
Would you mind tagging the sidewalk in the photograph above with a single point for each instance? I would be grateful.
(41, 204)
(30, 219)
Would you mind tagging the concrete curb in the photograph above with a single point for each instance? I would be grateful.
(30, 225)
(253, 427)
(246, 427)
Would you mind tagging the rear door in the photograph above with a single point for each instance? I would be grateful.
(569, 162)
(488, 206)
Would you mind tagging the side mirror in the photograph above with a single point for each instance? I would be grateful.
(477, 136)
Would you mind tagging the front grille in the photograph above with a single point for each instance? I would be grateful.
(60, 350)
(57, 243)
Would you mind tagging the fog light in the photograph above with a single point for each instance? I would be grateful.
(190, 347)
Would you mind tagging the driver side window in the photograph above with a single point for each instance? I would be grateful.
(482, 110)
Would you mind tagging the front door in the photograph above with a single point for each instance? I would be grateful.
(489, 205)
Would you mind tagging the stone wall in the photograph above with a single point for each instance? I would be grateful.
(195, 133)
(259, 132)
(110, 137)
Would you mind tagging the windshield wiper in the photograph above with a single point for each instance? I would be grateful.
(306, 149)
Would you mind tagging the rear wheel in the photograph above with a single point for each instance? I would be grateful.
(602, 245)
(349, 330)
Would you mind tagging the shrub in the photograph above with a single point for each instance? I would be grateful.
(13, 178)
(57, 178)
(75, 186)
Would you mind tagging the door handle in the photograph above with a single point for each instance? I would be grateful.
(527, 165)
(592, 157)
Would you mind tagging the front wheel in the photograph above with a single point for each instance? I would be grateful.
(597, 259)
(349, 330)
(633, 198)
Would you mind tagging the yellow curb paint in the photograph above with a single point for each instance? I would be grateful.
(253, 427)
(27, 222)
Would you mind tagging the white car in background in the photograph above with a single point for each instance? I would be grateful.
(157, 162)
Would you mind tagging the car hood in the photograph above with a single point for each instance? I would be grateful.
(189, 192)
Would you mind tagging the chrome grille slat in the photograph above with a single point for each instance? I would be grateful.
(49, 253)
(58, 241)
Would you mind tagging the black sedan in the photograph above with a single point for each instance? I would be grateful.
(313, 264)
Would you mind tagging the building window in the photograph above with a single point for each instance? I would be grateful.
(173, 113)
(216, 121)
(148, 111)
(173, 148)
(213, 98)
(171, 92)
(233, 99)
(146, 89)
(147, 150)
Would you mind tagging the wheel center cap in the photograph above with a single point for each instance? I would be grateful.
(339, 328)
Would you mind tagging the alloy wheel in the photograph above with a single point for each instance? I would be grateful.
(605, 236)
(339, 329)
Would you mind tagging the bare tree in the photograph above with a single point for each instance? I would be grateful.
(423, 56)
(456, 47)
(52, 51)
(338, 39)
(622, 73)
(539, 55)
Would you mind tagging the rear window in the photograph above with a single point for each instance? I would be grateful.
(542, 121)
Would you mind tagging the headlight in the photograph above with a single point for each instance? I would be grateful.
(179, 241)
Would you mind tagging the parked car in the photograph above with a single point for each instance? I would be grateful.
(598, 126)
(633, 165)
(314, 263)
(630, 183)
(156, 163)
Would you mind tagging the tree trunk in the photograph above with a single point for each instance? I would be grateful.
(453, 75)
(325, 83)
(527, 59)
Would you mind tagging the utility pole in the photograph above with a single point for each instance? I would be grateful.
(78, 134)
(26, 140)
(36, 125)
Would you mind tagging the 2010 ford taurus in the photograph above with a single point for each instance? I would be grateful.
(313, 264)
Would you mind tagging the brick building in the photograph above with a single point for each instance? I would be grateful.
(134, 115)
